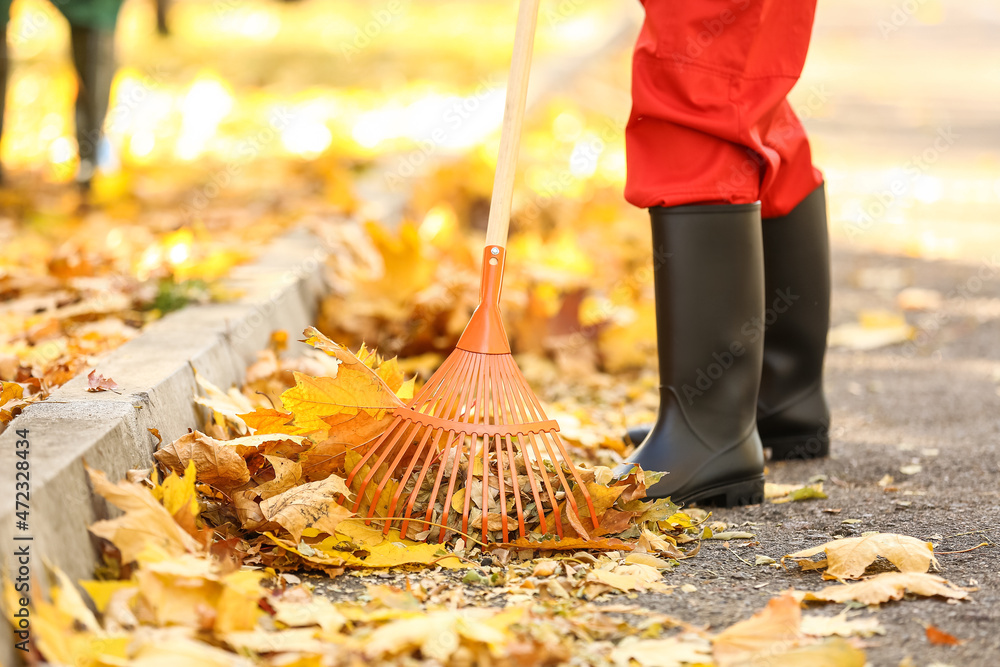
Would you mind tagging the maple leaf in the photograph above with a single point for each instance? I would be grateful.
(97, 382)
(848, 558)
(886, 586)
(145, 522)
(355, 393)
(312, 505)
(268, 420)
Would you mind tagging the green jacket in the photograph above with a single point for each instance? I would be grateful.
(80, 13)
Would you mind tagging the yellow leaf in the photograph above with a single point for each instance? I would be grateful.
(100, 592)
(269, 420)
(68, 600)
(179, 498)
(848, 558)
(779, 624)
(354, 392)
(237, 608)
(670, 652)
(314, 505)
(10, 391)
(144, 522)
(833, 653)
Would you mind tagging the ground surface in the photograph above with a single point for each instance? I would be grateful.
(934, 403)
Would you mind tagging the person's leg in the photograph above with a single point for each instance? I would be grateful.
(93, 52)
(709, 81)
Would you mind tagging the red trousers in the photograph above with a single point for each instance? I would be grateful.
(710, 122)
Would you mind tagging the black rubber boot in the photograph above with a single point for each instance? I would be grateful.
(792, 415)
(94, 58)
(709, 283)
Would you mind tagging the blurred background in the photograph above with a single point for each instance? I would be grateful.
(231, 121)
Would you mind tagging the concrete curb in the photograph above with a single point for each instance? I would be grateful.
(155, 373)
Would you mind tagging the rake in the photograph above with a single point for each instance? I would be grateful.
(478, 405)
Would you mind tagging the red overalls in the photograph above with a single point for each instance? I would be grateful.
(710, 122)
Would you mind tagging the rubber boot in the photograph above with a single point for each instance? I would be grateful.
(94, 58)
(792, 414)
(709, 284)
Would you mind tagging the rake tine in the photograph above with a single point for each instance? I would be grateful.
(579, 483)
(406, 476)
(405, 442)
(570, 499)
(500, 482)
(371, 451)
(522, 447)
(424, 468)
(477, 362)
(526, 415)
(468, 484)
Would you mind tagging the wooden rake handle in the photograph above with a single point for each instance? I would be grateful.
(510, 131)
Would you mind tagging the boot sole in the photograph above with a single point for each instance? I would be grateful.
(797, 448)
(732, 494)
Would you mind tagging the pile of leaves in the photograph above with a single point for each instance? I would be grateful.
(273, 478)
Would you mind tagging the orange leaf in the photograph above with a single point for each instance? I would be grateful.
(940, 637)
(268, 420)
(570, 544)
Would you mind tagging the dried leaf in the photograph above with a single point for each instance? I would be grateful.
(97, 382)
(669, 652)
(144, 523)
(886, 586)
(314, 505)
(939, 637)
(218, 463)
(848, 558)
(779, 624)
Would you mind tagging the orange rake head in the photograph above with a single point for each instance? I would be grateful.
(475, 419)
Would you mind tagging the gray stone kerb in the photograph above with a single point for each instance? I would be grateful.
(155, 373)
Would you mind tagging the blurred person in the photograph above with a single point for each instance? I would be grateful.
(740, 244)
(92, 45)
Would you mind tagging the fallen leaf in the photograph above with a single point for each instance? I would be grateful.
(145, 522)
(841, 626)
(939, 637)
(669, 652)
(218, 463)
(287, 474)
(886, 586)
(97, 382)
(848, 558)
(778, 624)
(10, 391)
(570, 544)
(268, 420)
(314, 505)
